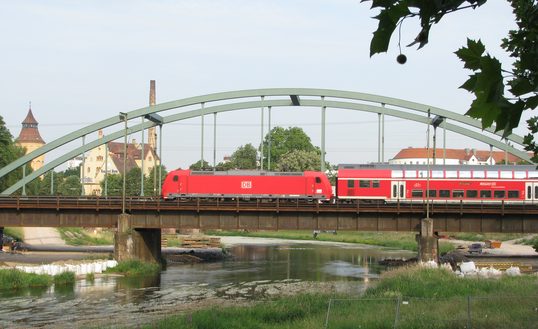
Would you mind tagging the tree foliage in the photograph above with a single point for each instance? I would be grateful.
(70, 186)
(199, 165)
(283, 141)
(299, 160)
(489, 80)
(9, 152)
(244, 157)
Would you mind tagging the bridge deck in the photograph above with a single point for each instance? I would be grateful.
(266, 214)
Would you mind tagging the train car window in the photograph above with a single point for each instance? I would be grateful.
(394, 191)
(444, 193)
(422, 173)
(397, 174)
(529, 192)
(533, 174)
(506, 174)
(535, 191)
(350, 183)
(401, 191)
(416, 193)
(485, 194)
(498, 194)
(457, 194)
(465, 174)
(520, 174)
(451, 174)
(437, 174)
(432, 193)
(513, 194)
(175, 178)
(318, 180)
(411, 174)
(364, 183)
(375, 184)
(478, 174)
(472, 193)
(492, 174)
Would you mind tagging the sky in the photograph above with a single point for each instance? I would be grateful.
(79, 62)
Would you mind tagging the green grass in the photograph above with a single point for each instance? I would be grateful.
(14, 232)
(77, 236)
(135, 268)
(397, 240)
(470, 236)
(433, 299)
(11, 279)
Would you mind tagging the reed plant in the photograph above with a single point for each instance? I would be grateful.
(15, 279)
(135, 268)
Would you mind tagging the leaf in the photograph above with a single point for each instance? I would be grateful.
(520, 86)
(532, 102)
(471, 54)
(470, 84)
(388, 19)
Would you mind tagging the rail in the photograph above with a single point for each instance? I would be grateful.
(135, 204)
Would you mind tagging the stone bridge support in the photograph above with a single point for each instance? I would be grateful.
(428, 244)
(142, 244)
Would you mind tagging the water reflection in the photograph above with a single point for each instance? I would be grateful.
(254, 272)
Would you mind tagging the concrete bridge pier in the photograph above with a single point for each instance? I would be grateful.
(428, 244)
(142, 244)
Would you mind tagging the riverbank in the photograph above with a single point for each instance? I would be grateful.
(426, 297)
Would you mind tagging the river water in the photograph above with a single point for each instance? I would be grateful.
(254, 272)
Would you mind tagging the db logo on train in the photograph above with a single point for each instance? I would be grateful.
(246, 184)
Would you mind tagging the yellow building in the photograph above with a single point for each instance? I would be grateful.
(109, 158)
(30, 139)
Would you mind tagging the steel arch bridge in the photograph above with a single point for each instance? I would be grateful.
(267, 98)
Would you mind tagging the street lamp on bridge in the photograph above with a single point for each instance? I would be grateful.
(123, 117)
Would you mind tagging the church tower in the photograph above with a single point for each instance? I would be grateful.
(30, 139)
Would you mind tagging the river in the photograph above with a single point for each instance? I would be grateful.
(254, 272)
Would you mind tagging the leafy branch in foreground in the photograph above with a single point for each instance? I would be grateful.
(489, 80)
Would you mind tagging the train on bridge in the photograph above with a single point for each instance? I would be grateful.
(365, 182)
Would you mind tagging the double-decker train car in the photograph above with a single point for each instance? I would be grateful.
(309, 185)
(449, 183)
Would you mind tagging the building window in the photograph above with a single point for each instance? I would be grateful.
(99, 158)
(89, 169)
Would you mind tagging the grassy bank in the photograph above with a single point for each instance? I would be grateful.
(135, 268)
(397, 240)
(14, 232)
(14, 279)
(429, 298)
(77, 236)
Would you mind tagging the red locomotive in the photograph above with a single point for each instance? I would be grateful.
(450, 183)
(247, 184)
(387, 183)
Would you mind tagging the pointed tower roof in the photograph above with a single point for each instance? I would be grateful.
(29, 132)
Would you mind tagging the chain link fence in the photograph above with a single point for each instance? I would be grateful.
(415, 313)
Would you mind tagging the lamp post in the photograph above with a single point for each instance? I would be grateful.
(123, 117)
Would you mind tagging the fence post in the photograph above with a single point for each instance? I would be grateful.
(396, 318)
(469, 322)
(328, 311)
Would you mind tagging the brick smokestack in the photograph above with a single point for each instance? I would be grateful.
(152, 132)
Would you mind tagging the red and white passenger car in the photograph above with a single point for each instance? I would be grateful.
(450, 183)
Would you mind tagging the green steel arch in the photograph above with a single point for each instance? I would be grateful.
(273, 97)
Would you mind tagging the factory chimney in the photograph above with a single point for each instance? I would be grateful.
(152, 133)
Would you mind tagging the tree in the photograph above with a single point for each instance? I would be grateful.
(151, 189)
(9, 152)
(244, 157)
(45, 185)
(132, 182)
(489, 79)
(114, 185)
(284, 141)
(70, 186)
(198, 166)
(299, 160)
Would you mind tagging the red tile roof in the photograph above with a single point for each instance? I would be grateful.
(29, 132)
